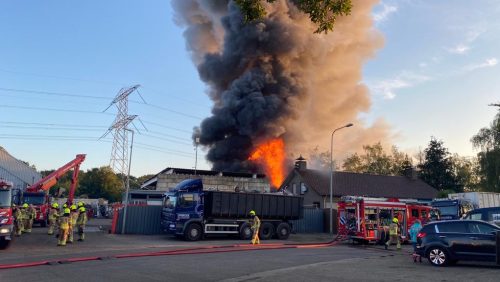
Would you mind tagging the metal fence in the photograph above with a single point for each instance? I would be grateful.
(140, 220)
(146, 220)
(311, 222)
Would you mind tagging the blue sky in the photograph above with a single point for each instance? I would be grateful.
(435, 76)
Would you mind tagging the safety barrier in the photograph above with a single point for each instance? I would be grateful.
(141, 219)
(311, 222)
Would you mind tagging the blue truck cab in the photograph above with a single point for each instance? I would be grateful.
(452, 208)
(182, 206)
(189, 212)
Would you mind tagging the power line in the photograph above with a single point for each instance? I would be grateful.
(82, 127)
(53, 109)
(53, 93)
(97, 97)
(52, 124)
(86, 139)
(62, 77)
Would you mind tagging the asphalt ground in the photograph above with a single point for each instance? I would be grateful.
(345, 262)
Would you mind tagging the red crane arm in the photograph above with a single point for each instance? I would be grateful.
(50, 180)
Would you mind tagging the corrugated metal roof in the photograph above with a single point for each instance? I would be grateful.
(16, 171)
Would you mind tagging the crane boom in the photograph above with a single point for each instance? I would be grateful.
(50, 180)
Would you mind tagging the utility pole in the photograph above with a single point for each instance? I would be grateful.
(197, 140)
(121, 159)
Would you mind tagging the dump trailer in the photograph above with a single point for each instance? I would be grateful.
(191, 213)
(479, 199)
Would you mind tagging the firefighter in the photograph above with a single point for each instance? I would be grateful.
(393, 234)
(18, 217)
(73, 216)
(64, 224)
(80, 222)
(25, 217)
(53, 216)
(255, 227)
(30, 217)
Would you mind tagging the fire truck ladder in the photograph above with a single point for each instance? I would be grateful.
(50, 180)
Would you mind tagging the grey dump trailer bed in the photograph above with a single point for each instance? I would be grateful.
(232, 205)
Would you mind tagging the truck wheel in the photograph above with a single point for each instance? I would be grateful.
(246, 231)
(4, 244)
(283, 231)
(266, 231)
(193, 232)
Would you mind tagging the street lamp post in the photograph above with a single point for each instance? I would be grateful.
(331, 175)
(128, 183)
(197, 140)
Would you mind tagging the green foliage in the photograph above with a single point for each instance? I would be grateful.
(375, 160)
(437, 168)
(101, 183)
(488, 141)
(323, 13)
(466, 171)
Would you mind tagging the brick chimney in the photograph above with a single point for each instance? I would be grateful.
(300, 163)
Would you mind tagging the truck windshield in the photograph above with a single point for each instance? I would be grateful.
(169, 202)
(34, 199)
(448, 210)
(5, 198)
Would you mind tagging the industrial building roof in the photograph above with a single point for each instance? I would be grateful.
(360, 184)
(15, 170)
(174, 170)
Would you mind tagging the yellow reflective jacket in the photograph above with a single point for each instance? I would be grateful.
(74, 216)
(255, 223)
(64, 222)
(82, 218)
(393, 229)
(53, 214)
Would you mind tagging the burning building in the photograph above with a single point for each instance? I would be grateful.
(277, 87)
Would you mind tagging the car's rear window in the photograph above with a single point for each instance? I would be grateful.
(455, 227)
(428, 228)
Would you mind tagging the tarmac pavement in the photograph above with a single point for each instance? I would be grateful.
(345, 262)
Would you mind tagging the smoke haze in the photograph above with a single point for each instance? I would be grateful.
(277, 78)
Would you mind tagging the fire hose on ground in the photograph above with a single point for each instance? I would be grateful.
(186, 251)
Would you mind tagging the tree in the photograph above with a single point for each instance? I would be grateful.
(375, 160)
(101, 183)
(437, 168)
(466, 172)
(323, 13)
(488, 141)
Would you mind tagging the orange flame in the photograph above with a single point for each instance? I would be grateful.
(271, 155)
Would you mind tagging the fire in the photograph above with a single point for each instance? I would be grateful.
(271, 155)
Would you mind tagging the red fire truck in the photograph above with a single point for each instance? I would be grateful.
(38, 193)
(6, 216)
(366, 219)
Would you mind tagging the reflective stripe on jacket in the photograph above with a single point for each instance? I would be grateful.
(393, 229)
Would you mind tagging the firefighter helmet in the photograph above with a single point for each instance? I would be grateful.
(67, 211)
(81, 209)
(73, 207)
(25, 205)
(80, 204)
(252, 212)
(395, 220)
(55, 205)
